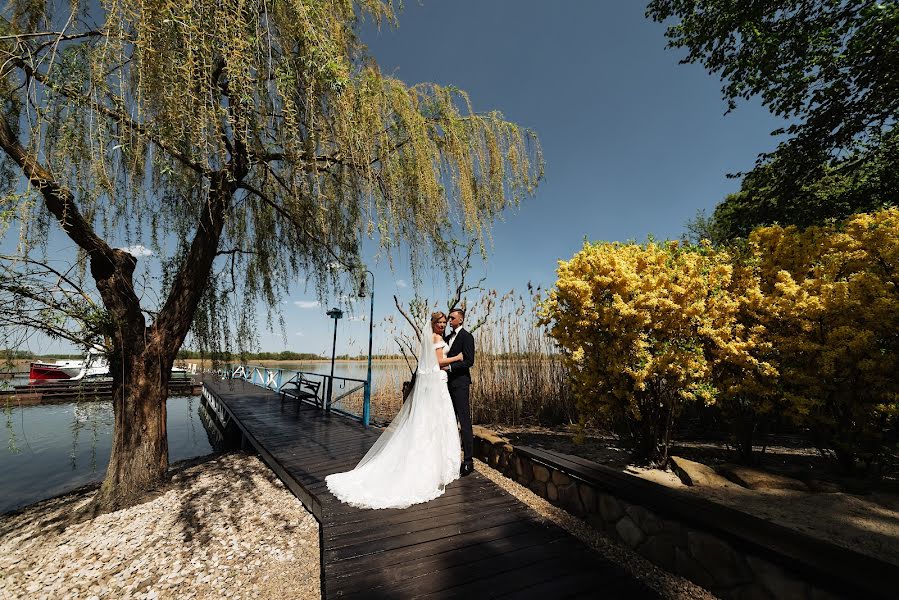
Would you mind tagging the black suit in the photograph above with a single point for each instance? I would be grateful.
(459, 383)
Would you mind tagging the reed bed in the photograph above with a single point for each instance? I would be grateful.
(518, 375)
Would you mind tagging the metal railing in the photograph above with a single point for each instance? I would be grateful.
(344, 395)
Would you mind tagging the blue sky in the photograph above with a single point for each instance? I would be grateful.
(634, 143)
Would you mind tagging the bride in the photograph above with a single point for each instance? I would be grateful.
(418, 454)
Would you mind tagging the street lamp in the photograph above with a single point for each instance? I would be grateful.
(366, 401)
(334, 313)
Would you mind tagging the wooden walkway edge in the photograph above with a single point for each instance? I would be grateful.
(475, 541)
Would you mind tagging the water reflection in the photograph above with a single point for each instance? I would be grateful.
(50, 449)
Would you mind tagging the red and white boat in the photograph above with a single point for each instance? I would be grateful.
(61, 369)
(93, 366)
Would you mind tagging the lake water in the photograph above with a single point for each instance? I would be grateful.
(46, 450)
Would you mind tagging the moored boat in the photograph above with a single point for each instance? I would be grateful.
(94, 366)
(61, 369)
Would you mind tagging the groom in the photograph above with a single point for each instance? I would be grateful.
(459, 381)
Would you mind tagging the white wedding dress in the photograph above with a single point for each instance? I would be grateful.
(417, 455)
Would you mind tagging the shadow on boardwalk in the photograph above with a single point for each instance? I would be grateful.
(475, 541)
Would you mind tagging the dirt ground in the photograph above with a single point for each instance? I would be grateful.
(853, 512)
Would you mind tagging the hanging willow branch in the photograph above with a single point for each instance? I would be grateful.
(147, 116)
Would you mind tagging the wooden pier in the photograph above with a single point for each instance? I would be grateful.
(475, 541)
(55, 392)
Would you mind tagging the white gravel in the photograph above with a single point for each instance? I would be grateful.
(225, 528)
(667, 585)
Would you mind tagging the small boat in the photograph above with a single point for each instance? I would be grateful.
(61, 369)
(94, 366)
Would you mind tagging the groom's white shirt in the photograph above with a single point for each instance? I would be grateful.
(453, 338)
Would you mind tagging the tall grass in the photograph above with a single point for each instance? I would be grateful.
(518, 375)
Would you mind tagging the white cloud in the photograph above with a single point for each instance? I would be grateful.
(138, 250)
(348, 299)
(301, 334)
(401, 283)
(307, 303)
(357, 318)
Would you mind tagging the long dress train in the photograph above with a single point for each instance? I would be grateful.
(417, 455)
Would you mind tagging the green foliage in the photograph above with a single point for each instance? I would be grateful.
(829, 66)
(865, 182)
(140, 111)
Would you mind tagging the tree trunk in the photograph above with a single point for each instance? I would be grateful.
(142, 357)
(140, 453)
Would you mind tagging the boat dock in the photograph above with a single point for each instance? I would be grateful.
(57, 392)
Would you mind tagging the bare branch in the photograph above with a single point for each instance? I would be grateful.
(59, 35)
(407, 317)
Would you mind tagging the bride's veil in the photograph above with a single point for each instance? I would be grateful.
(426, 385)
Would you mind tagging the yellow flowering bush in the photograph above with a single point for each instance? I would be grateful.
(833, 312)
(803, 324)
(629, 320)
(743, 370)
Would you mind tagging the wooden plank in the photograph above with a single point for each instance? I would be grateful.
(405, 570)
(385, 544)
(431, 520)
(473, 540)
(511, 572)
(351, 526)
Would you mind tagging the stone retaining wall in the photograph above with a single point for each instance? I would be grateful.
(707, 559)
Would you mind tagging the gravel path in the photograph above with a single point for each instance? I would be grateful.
(668, 585)
(225, 528)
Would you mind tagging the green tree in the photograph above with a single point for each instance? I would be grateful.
(865, 182)
(259, 137)
(828, 66)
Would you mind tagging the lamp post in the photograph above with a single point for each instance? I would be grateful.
(334, 313)
(366, 401)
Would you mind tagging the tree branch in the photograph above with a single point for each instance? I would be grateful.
(117, 116)
(59, 201)
(407, 317)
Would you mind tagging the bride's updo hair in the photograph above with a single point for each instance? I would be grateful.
(436, 316)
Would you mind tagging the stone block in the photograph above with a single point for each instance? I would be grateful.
(596, 522)
(487, 435)
(523, 470)
(541, 473)
(687, 567)
(610, 508)
(552, 492)
(538, 487)
(726, 566)
(570, 500)
(560, 478)
(694, 473)
(588, 497)
(645, 520)
(775, 580)
(676, 530)
(756, 479)
(660, 550)
(629, 533)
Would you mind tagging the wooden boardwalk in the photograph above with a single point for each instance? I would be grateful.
(476, 541)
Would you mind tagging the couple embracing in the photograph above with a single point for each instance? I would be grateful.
(418, 454)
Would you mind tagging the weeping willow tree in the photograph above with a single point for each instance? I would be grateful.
(248, 144)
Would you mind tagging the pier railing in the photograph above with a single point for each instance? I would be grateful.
(344, 395)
